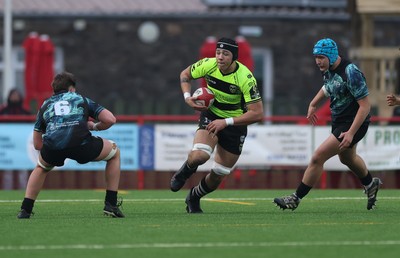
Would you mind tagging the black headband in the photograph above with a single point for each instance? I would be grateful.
(230, 45)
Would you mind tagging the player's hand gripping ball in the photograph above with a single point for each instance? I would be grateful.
(204, 96)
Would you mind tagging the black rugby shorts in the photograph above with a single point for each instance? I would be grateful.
(82, 154)
(231, 138)
(337, 129)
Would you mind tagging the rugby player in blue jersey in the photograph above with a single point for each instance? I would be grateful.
(61, 131)
(347, 89)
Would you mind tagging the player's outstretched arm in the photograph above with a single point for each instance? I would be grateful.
(312, 108)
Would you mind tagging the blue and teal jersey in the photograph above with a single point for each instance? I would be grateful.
(63, 120)
(345, 85)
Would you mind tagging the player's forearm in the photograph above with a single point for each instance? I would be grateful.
(318, 98)
(185, 79)
(254, 114)
(361, 115)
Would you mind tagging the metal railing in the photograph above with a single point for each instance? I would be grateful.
(141, 119)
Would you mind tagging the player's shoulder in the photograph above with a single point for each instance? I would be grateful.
(73, 95)
(242, 68)
(351, 67)
(244, 72)
(210, 60)
(203, 66)
(207, 61)
(346, 66)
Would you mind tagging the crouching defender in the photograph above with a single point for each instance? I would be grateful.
(62, 131)
(224, 125)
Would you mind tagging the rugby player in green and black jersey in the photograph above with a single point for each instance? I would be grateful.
(223, 126)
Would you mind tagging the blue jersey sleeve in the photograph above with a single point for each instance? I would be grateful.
(357, 84)
(94, 108)
(40, 125)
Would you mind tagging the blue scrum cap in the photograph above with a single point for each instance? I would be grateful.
(327, 47)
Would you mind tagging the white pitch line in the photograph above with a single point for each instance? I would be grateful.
(206, 199)
(198, 245)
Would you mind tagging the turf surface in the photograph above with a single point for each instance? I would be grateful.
(235, 223)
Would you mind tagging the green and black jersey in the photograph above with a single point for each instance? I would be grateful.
(232, 91)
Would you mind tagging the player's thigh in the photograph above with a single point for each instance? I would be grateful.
(43, 161)
(203, 147)
(327, 149)
(108, 147)
(48, 157)
(203, 136)
(46, 166)
(225, 157)
(348, 155)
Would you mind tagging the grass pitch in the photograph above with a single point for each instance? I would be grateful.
(235, 223)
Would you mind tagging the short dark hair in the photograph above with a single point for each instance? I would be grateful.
(63, 81)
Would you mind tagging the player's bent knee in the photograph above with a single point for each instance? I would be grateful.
(220, 169)
(203, 147)
(113, 151)
(47, 168)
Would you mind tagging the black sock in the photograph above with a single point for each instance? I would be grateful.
(27, 205)
(366, 180)
(302, 190)
(201, 189)
(111, 197)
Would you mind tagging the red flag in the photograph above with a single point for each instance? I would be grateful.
(245, 56)
(46, 70)
(31, 46)
(207, 50)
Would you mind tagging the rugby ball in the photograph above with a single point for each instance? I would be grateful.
(203, 96)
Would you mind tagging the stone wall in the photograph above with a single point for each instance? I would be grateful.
(130, 77)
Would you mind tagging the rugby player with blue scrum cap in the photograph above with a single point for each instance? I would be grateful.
(347, 89)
